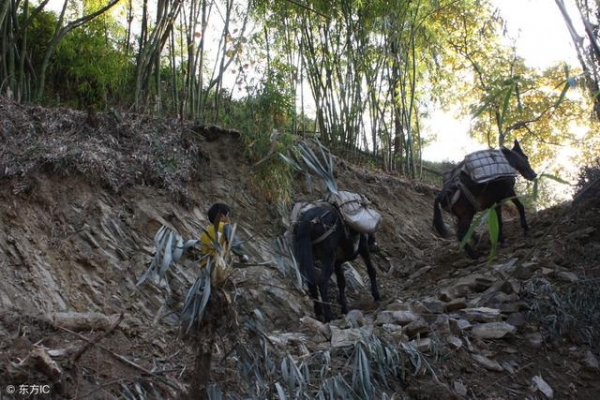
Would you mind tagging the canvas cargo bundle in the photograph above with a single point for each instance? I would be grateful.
(452, 173)
(355, 209)
(486, 165)
(300, 208)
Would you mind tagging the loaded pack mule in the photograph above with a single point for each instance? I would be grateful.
(322, 232)
(483, 179)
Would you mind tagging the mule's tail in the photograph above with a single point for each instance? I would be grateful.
(304, 252)
(438, 221)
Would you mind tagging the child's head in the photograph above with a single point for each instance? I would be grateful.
(216, 209)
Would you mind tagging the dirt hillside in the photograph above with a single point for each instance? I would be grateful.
(81, 198)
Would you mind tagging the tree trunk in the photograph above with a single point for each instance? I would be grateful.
(59, 35)
(203, 343)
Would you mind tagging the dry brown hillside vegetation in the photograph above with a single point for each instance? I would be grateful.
(81, 201)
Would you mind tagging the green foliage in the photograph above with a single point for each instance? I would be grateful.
(169, 247)
(143, 388)
(374, 68)
(536, 107)
(588, 184)
(292, 377)
(371, 370)
(490, 218)
(256, 117)
(268, 108)
(319, 161)
(87, 70)
(546, 190)
(361, 378)
(285, 258)
(272, 179)
(336, 387)
(571, 310)
(39, 33)
(196, 301)
(432, 172)
(493, 230)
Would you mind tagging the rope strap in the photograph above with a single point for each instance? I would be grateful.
(327, 233)
(468, 195)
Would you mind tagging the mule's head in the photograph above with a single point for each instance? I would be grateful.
(519, 160)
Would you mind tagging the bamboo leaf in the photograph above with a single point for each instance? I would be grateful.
(197, 299)
(285, 371)
(286, 261)
(280, 391)
(494, 230)
(160, 240)
(327, 360)
(295, 165)
(190, 243)
(167, 255)
(158, 237)
(563, 94)
(481, 110)
(178, 252)
(323, 169)
(361, 379)
(478, 222)
(554, 178)
(505, 103)
(214, 392)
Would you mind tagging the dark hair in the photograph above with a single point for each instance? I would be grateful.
(217, 209)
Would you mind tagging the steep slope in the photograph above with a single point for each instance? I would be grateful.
(80, 203)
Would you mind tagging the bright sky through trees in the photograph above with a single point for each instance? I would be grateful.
(540, 31)
(540, 36)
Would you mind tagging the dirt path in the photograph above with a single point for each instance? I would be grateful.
(79, 212)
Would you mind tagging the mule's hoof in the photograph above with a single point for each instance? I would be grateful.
(328, 320)
(378, 304)
(374, 248)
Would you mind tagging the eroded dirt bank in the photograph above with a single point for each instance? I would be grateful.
(80, 204)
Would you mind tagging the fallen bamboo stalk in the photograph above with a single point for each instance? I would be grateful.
(89, 344)
(112, 353)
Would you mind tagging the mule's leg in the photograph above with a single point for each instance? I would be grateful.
(363, 250)
(372, 243)
(327, 265)
(341, 282)
(313, 291)
(521, 209)
(464, 223)
(311, 278)
(306, 262)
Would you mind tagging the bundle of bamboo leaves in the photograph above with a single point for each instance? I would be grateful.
(216, 268)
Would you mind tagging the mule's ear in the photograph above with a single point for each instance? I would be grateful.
(516, 145)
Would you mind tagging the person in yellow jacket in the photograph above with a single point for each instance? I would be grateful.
(223, 235)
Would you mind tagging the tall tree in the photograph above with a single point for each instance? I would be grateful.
(151, 45)
(586, 45)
